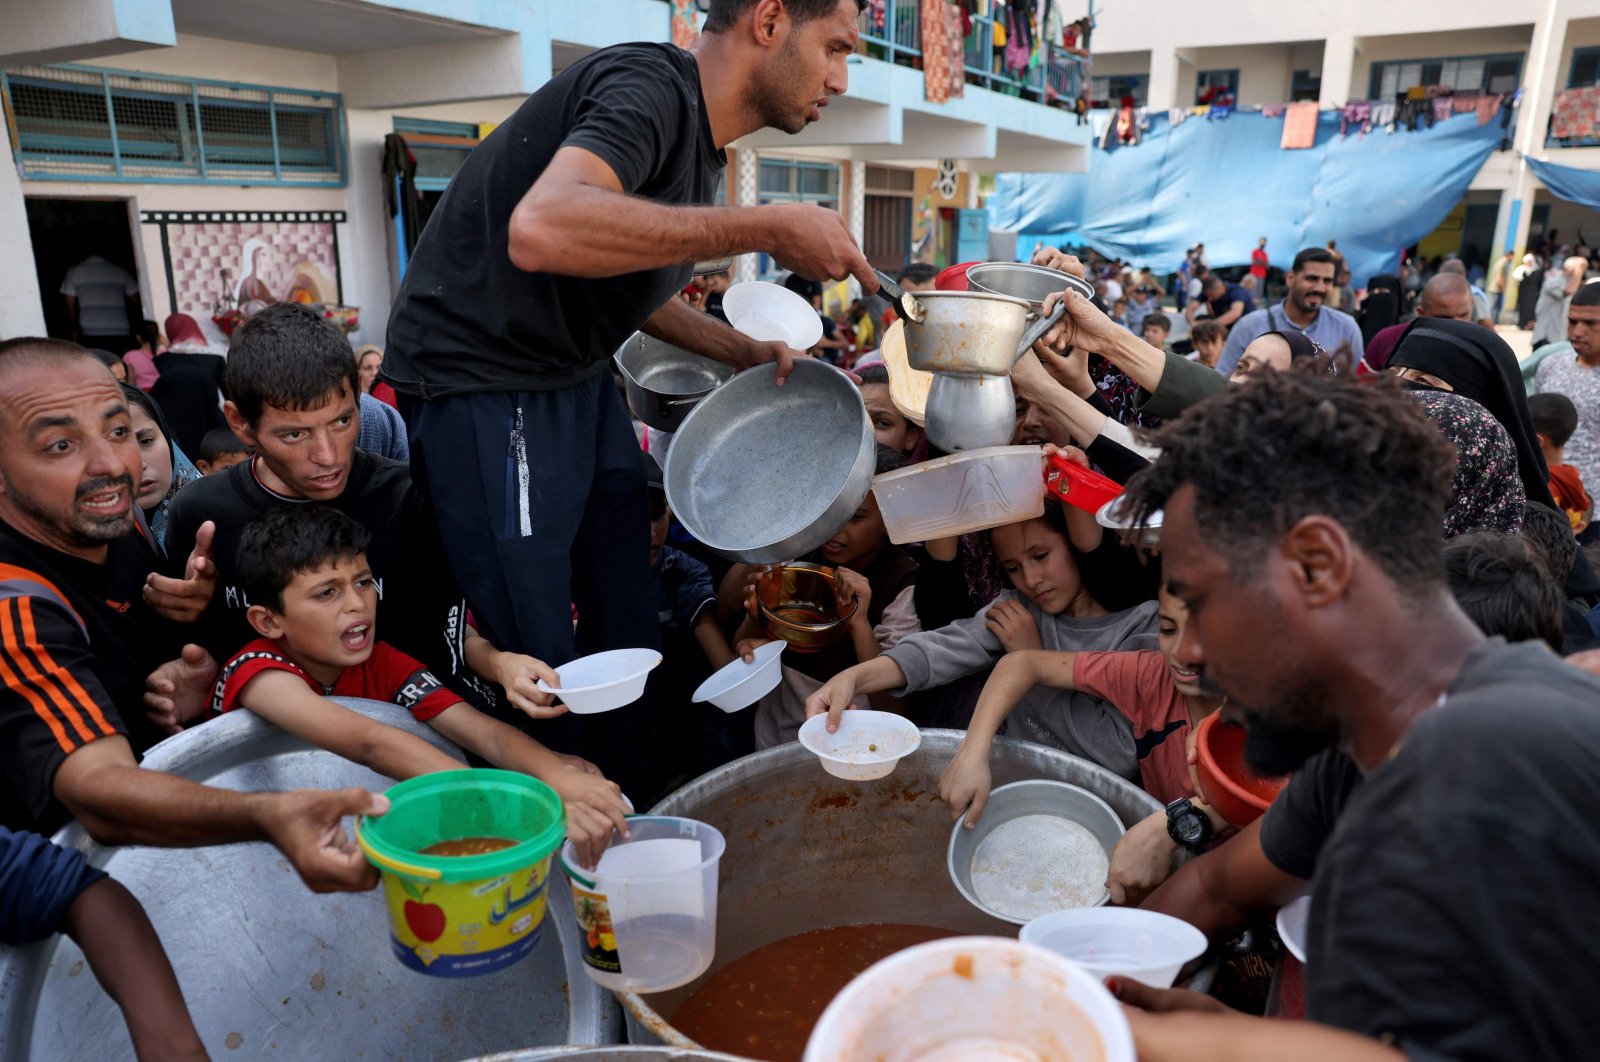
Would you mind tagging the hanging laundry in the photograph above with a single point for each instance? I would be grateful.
(1099, 122)
(1201, 111)
(1487, 107)
(1464, 104)
(1220, 110)
(878, 13)
(1576, 114)
(936, 57)
(956, 42)
(1127, 127)
(1356, 112)
(1417, 92)
(1274, 110)
(1383, 112)
(1176, 116)
(685, 25)
(1443, 108)
(1299, 127)
(1019, 43)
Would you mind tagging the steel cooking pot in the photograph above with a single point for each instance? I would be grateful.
(663, 382)
(973, 333)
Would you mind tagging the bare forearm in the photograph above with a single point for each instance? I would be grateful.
(397, 754)
(877, 675)
(1197, 1036)
(129, 805)
(712, 641)
(1013, 677)
(1143, 363)
(510, 749)
(584, 231)
(676, 323)
(127, 958)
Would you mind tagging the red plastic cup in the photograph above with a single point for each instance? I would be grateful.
(953, 278)
(1078, 486)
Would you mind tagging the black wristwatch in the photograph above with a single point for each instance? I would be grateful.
(1187, 825)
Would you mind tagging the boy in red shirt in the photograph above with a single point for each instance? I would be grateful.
(1555, 418)
(1161, 696)
(313, 600)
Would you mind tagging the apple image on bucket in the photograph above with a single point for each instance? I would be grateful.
(426, 920)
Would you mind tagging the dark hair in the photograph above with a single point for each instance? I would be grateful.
(1160, 320)
(1551, 531)
(1554, 416)
(918, 273)
(289, 357)
(1502, 584)
(889, 460)
(291, 539)
(139, 398)
(721, 15)
(804, 287)
(1205, 331)
(148, 332)
(1213, 280)
(1280, 446)
(219, 441)
(1201, 270)
(1313, 255)
(876, 373)
(1588, 294)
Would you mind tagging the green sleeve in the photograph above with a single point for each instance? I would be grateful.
(1183, 383)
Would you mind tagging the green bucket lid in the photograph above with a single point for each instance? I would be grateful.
(475, 802)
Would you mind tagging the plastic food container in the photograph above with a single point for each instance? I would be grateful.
(867, 744)
(767, 312)
(603, 681)
(1147, 946)
(972, 999)
(1024, 873)
(459, 916)
(1078, 486)
(648, 912)
(1226, 781)
(738, 685)
(965, 492)
(953, 278)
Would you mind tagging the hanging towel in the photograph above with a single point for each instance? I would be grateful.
(936, 58)
(1176, 116)
(956, 43)
(1274, 110)
(1464, 104)
(1099, 122)
(1356, 112)
(1383, 112)
(1299, 126)
(1575, 113)
(685, 26)
(1487, 108)
(1443, 109)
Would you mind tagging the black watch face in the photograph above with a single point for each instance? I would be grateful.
(1190, 828)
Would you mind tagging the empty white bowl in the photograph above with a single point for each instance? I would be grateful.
(603, 681)
(867, 744)
(1147, 946)
(771, 312)
(739, 685)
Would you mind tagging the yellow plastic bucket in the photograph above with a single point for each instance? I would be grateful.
(460, 916)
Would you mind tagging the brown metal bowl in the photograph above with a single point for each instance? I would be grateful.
(799, 603)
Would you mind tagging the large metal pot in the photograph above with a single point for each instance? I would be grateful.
(974, 333)
(970, 412)
(762, 473)
(1022, 280)
(663, 382)
(271, 969)
(807, 851)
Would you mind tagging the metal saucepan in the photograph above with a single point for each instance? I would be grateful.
(762, 473)
(1021, 280)
(970, 412)
(664, 382)
(973, 333)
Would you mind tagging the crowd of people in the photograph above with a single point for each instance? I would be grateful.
(1379, 567)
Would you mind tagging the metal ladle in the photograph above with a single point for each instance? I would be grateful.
(905, 303)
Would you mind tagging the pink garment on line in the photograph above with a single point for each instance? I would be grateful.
(1299, 126)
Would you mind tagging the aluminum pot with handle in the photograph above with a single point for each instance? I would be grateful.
(973, 333)
(762, 473)
(663, 382)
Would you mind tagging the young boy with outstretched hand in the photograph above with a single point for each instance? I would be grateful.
(314, 603)
(47, 889)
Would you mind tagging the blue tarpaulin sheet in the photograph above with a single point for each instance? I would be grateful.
(1568, 182)
(1226, 182)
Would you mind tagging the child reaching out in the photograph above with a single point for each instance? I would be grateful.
(1051, 608)
(313, 603)
(1159, 693)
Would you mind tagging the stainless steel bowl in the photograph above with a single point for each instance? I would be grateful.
(663, 382)
(1037, 796)
(762, 473)
(1021, 280)
(970, 412)
(973, 333)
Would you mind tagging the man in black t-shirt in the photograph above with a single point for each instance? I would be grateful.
(79, 630)
(570, 227)
(1443, 803)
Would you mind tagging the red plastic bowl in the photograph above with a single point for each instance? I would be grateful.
(1079, 486)
(953, 278)
(1226, 782)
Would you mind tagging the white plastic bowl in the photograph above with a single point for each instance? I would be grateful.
(603, 681)
(739, 685)
(867, 744)
(1146, 946)
(1293, 922)
(965, 492)
(767, 312)
(972, 999)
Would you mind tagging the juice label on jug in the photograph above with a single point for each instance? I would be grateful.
(599, 943)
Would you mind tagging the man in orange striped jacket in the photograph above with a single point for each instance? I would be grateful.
(83, 621)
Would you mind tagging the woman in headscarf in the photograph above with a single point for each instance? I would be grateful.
(1474, 362)
(1382, 306)
(166, 467)
(1487, 492)
(1277, 351)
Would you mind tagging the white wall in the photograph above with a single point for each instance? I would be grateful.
(21, 313)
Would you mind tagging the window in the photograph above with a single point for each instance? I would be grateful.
(1216, 86)
(85, 123)
(1491, 74)
(795, 181)
(1305, 85)
(1585, 68)
(440, 149)
(1110, 91)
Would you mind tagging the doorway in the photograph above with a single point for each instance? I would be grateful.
(66, 231)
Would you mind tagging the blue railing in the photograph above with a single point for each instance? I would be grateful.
(893, 32)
